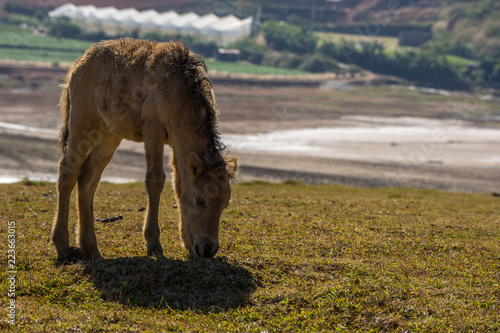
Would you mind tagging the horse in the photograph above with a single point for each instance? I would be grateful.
(151, 92)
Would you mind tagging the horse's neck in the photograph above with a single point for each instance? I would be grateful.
(183, 146)
(186, 140)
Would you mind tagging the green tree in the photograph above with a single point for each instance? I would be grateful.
(62, 27)
(372, 49)
(490, 72)
(12, 6)
(329, 49)
(282, 36)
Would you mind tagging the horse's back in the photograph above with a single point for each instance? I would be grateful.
(127, 82)
(111, 84)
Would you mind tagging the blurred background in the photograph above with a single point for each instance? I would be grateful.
(360, 92)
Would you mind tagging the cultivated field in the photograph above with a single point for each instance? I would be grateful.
(293, 257)
(390, 43)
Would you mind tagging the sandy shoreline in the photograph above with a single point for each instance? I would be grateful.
(367, 152)
(366, 136)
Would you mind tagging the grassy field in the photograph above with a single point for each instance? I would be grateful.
(47, 56)
(247, 68)
(20, 44)
(391, 43)
(293, 258)
(15, 37)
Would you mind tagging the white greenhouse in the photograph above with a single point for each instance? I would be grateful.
(114, 21)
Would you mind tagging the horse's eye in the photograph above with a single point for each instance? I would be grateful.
(200, 202)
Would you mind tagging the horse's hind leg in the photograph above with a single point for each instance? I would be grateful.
(88, 180)
(155, 180)
(69, 169)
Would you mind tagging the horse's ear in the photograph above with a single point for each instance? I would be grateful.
(195, 165)
(232, 166)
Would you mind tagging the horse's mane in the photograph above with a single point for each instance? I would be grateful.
(193, 69)
(166, 61)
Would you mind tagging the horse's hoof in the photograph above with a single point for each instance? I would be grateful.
(156, 253)
(70, 256)
(94, 257)
(155, 250)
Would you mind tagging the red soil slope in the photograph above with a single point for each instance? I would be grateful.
(161, 4)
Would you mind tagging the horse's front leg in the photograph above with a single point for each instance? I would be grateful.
(155, 180)
(89, 178)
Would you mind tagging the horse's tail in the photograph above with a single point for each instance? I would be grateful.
(65, 107)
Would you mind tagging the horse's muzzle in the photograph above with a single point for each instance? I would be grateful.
(206, 250)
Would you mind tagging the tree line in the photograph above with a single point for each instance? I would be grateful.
(299, 45)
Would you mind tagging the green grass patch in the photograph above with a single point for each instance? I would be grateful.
(51, 56)
(391, 43)
(293, 257)
(28, 182)
(15, 37)
(247, 68)
(458, 61)
(20, 44)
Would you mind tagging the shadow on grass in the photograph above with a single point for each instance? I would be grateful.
(205, 285)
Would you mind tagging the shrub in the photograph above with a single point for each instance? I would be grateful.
(290, 60)
(490, 72)
(250, 50)
(319, 64)
(282, 36)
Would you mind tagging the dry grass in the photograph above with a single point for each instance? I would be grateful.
(294, 257)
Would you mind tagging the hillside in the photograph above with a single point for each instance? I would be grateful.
(468, 28)
(471, 28)
(144, 4)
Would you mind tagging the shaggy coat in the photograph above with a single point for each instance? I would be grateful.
(156, 93)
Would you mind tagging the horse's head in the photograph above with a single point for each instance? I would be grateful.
(202, 200)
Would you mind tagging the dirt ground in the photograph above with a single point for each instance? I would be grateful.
(252, 111)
